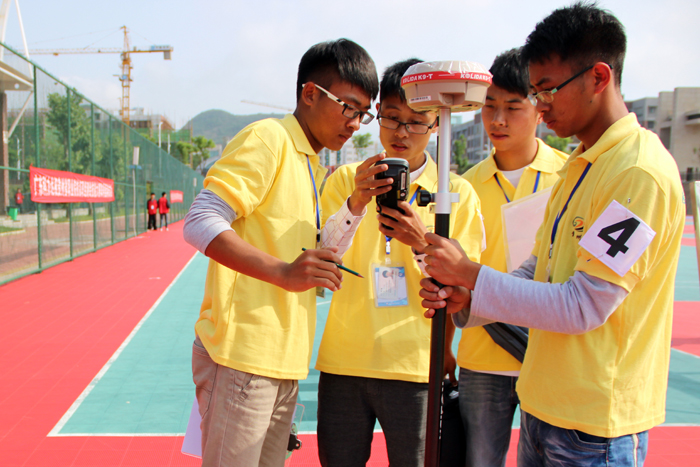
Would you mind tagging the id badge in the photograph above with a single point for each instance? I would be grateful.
(389, 285)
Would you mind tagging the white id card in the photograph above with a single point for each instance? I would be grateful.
(617, 238)
(389, 286)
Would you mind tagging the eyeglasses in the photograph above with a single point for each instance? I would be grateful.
(548, 96)
(415, 128)
(349, 111)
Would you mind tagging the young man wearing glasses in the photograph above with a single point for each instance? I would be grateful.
(258, 210)
(374, 355)
(519, 165)
(597, 292)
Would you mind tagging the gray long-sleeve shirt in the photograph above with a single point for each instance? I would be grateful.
(577, 306)
(210, 215)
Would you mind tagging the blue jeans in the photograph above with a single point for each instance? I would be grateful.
(487, 403)
(545, 445)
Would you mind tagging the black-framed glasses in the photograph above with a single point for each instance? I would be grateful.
(349, 111)
(548, 96)
(415, 128)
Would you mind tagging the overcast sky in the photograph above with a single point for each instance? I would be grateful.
(228, 51)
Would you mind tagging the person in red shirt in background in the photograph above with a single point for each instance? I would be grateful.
(152, 208)
(164, 209)
(19, 198)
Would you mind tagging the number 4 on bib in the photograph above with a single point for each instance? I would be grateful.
(618, 238)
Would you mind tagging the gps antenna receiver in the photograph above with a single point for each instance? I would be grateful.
(445, 87)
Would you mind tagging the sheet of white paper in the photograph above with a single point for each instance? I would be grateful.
(521, 220)
(192, 444)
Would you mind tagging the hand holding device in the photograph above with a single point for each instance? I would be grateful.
(367, 185)
(398, 171)
(405, 225)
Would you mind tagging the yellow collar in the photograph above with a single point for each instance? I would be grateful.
(428, 179)
(544, 161)
(612, 136)
(301, 142)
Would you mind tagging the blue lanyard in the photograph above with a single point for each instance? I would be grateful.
(318, 214)
(537, 182)
(558, 218)
(388, 238)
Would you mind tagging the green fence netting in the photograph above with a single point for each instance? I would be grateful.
(51, 125)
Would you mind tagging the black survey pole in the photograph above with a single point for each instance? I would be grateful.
(443, 86)
(443, 207)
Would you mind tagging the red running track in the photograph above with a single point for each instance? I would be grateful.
(61, 326)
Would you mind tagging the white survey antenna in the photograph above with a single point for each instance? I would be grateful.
(444, 87)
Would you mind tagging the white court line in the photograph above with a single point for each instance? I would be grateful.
(684, 352)
(73, 408)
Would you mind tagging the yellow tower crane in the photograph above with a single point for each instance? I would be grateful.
(125, 52)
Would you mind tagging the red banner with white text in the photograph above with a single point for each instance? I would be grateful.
(175, 196)
(57, 186)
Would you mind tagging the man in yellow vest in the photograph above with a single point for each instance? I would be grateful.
(519, 165)
(597, 291)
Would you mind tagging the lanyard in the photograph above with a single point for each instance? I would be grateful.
(537, 182)
(388, 238)
(318, 214)
(558, 218)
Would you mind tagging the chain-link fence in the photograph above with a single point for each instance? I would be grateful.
(47, 124)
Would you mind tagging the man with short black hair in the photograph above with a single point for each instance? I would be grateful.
(258, 210)
(519, 165)
(374, 355)
(597, 292)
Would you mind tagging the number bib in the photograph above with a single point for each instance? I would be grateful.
(618, 238)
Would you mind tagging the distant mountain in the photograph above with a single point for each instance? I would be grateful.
(220, 126)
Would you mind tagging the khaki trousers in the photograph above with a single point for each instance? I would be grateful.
(246, 418)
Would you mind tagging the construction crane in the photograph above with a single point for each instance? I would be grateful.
(125, 52)
(273, 106)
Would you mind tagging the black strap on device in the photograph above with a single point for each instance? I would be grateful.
(513, 339)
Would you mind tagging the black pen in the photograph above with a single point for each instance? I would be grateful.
(340, 266)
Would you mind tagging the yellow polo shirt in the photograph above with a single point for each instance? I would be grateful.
(245, 323)
(610, 381)
(477, 350)
(387, 342)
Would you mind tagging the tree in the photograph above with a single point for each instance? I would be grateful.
(361, 142)
(194, 153)
(79, 129)
(201, 145)
(182, 151)
(77, 156)
(561, 144)
(459, 154)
